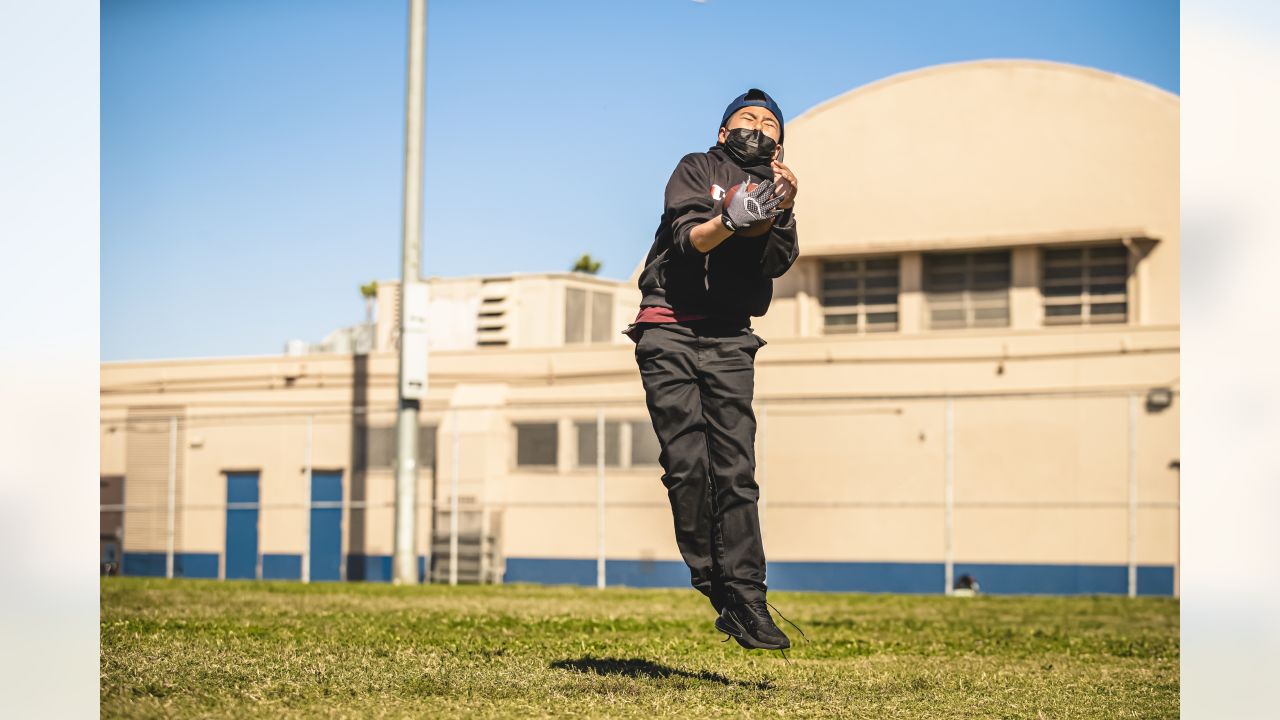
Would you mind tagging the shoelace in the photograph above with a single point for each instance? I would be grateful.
(797, 627)
(784, 617)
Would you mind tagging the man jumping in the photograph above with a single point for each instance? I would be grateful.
(709, 271)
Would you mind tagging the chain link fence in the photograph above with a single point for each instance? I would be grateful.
(922, 461)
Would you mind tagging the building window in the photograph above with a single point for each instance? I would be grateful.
(860, 295)
(644, 443)
(587, 443)
(587, 315)
(967, 289)
(536, 444)
(1085, 285)
(627, 444)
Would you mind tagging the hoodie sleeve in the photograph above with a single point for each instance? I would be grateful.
(781, 248)
(688, 201)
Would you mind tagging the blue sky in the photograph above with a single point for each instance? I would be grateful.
(252, 149)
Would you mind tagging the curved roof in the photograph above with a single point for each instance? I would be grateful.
(970, 66)
(982, 151)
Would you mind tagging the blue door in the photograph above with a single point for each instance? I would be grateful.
(326, 526)
(242, 525)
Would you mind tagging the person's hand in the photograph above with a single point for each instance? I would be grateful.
(787, 186)
(748, 208)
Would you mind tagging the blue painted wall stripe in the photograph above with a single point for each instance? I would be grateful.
(194, 565)
(281, 567)
(377, 568)
(1018, 579)
(641, 573)
(925, 578)
(994, 578)
(374, 568)
(555, 571)
(151, 564)
(876, 577)
(143, 564)
(1155, 580)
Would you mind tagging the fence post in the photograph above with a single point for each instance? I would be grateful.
(306, 507)
(600, 498)
(949, 501)
(485, 548)
(453, 502)
(173, 491)
(1133, 495)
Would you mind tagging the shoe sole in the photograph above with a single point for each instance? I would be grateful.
(737, 632)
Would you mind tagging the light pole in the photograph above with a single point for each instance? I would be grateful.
(413, 302)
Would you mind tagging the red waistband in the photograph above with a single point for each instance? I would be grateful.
(656, 314)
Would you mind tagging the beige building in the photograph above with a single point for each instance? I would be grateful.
(972, 370)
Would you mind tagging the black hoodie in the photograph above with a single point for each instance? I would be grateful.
(735, 280)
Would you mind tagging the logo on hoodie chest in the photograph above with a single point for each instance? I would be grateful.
(717, 192)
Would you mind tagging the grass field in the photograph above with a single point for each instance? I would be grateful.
(191, 648)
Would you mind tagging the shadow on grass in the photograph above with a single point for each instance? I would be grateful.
(640, 668)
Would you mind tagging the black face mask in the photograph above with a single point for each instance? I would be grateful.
(749, 147)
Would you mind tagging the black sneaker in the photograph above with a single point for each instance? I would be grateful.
(750, 624)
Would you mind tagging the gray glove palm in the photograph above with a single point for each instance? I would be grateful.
(747, 208)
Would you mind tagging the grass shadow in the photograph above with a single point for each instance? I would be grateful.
(641, 668)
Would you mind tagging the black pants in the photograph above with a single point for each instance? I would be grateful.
(699, 378)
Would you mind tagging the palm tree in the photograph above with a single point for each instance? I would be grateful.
(369, 291)
(586, 265)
